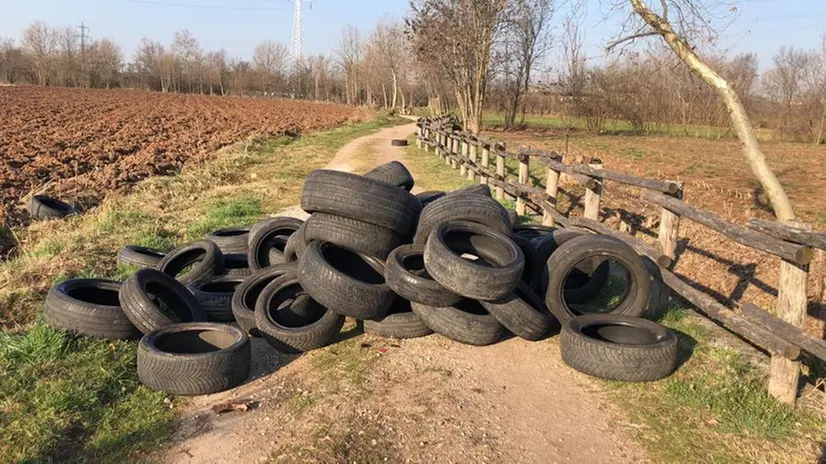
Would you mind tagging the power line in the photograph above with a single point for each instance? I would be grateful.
(203, 6)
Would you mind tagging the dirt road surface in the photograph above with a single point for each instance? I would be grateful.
(367, 399)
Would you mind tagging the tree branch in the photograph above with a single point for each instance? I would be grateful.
(639, 35)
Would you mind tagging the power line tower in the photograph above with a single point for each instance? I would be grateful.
(296, 51)
(83, 39)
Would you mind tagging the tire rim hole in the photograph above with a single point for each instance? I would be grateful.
(168, 302)
(621, 334)
(352, 264)
(95, 295)
(291, 308)
(194, 342)
(222, 286)
(615, 288)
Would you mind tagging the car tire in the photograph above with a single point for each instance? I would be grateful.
(360, 198)
(133, 255)
(353, 234)
(618, 347)
(400, 323)
(426, 198)
(247, 294)
(394, 173)
(206, 259)
(407, 277)
(231, 240)
(236, 265)
(503, 260)
(268, 239)
(291, 321)
(44, 207)
(344, 281)
(471, 208)
(194, 358)
(215, 297)
(466, 322)
(523, 313)
(398, 142)
(141, 295)
(89, 307)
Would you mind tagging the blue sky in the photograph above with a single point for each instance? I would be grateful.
(763, 25)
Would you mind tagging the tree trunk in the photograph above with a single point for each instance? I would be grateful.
(395, 89)
(740, 120)
(819, 138)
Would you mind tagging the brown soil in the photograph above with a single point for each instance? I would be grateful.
(367, 399)
(717, 179)
(81, 144)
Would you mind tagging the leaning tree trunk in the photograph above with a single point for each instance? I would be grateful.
(739, 119)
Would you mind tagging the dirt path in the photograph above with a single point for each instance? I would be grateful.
(367, 399)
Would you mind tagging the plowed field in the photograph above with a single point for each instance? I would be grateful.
(80, 144)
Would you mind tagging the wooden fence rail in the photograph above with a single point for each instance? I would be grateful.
(782, 337)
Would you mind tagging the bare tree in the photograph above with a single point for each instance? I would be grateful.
(187, 52)
(526, 42)
(105, 63)
(689, 17)
(457, 36)
(271, 60)
(349, 58)
(68, 60)
(40, 42)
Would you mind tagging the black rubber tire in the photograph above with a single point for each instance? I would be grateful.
(231, 240)
(500, 270)
(215, 297)
(292, 329)
(528, 251)
(513, 217)
(472, 208)
(573, 252)
(194, 359)
(583, 283)
(394, 173)
(269, 239)
(296, 244)
(475, 189)
(358, 197)
(138, 296)
(206, 259)
(426, 198)
(134, 255)
(407, 277)
(349, 283)
(523, 313)
(532, 231)
(45, 207)
(466, 322)
(89, 307)
(618, 347)
(246, 295)
(398, 142)
(349, 233)
(400, 323)
(236, 265)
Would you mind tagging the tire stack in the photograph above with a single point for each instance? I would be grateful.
(406, 265)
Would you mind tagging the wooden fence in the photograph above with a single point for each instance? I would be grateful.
(782, 337)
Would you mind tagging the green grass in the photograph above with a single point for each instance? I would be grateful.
(64, 397)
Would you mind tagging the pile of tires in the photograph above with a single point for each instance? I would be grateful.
(450, 263)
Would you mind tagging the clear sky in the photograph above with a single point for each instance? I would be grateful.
(762, 27)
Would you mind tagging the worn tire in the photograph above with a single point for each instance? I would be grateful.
(401, 323)
(497, 275)
(295, 246)
(426, 198)
(532, 231)
(231, 240)
(348, 283)
(475, 189)
(398, 142)
(573, 252)
(215, 297)
(523, 313)
(618, 347)
(528, 251)
(45, 207)
(269, 239)
(394, 173)
(206, 259)
(356, 235)
(194, 358)
(407, 277)
(466, 322)
(584, 281)
(246, 295)
(236, 265)
(513, 217)
(89, 307)
(361, 198)
(471, 208)
(136, 299)
(292, 329)
(133, 255)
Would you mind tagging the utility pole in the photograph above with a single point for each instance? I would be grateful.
(83, 37)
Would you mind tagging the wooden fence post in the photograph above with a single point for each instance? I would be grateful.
(485, 162)
(454, 150)
(419, 134)
(462, 164)
(448, 148)
(551, 189)
(500, 170)
(524, 179)
(670, 229)
(792, 291)
(472, 155)
(593, 197)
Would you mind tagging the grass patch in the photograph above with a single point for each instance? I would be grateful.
(345, 361)
(67, 398)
